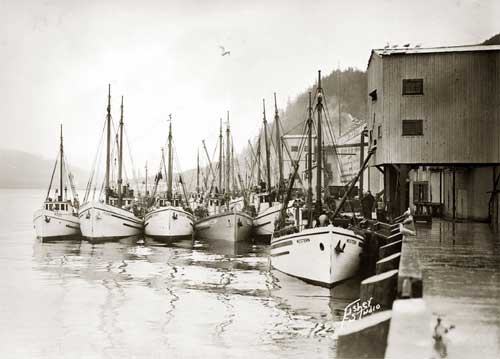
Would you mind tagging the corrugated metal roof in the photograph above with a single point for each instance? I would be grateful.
(431, 50)
(426, 50)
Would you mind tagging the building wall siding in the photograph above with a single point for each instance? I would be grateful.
(459, 108)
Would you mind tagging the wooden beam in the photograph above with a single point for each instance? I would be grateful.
(347, 145)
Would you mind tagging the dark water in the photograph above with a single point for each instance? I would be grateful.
(130, 300)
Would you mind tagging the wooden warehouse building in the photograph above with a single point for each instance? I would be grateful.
(434, 114)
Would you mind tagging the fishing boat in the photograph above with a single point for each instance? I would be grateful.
(311, 248)
(168, 219)
(223, 222)
(58, 217)
(268, 203)
(113, 216)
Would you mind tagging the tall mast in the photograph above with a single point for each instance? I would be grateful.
(268, 162)
(233, 176)
(108, 145)
(170, 167)
(259, 175)
(228, 158)
(319, 154)
(278, 145)
(198, 171)
(309, 160)
(61, 168)
(120, 158)
(220, 156)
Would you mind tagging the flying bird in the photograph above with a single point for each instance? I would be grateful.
(223, 51)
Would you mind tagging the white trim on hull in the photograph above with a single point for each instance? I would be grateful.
(322, 255)
(55, 225)
(230, 226)
(168, 222)
(99, 221)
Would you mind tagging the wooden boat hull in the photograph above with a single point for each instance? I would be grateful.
(99, 221)
(168, 222)
(313, 254)
(231, 226)
(53, 225)
(263, 223)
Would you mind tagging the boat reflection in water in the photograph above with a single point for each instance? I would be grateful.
(185, 242)
(227, 248)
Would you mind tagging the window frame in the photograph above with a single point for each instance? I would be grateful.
(415, 121)
(404, 89)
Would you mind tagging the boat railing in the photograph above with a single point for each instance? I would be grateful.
(289, 230)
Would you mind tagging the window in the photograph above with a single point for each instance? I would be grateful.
(413, 127)
(295, 148)
(56, 206)
(379, 129)
(413, 87)
(373, 95)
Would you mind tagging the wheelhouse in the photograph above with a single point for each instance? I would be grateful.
(163, 202)
(58, 206)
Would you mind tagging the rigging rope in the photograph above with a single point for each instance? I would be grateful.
(52, 177)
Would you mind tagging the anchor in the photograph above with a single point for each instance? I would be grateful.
(339, 249)
(174, 216)
(47, 219)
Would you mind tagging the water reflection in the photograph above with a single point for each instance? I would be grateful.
(222, 297)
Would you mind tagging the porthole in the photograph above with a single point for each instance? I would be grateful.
(321, 246)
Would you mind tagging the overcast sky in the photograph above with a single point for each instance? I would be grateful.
(57, 57)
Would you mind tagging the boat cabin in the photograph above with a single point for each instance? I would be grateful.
(126, 202)
(163, 202)
(59, 206)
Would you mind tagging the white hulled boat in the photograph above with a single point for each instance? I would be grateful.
(58, 218)
(318, 253)
(224, 222)
(167, 218)
(113, 216)
(268, 204)
(321, 255)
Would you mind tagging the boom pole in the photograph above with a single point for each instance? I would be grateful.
(120, 158)
(228, 161)
(108, 146)
(278, 145)
(220, 156)
(319, 144)
(309, 160)
(170, 166)
(268, 162)
(61, 168)
(198, 171)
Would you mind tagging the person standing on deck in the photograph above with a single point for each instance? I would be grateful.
(367, 205)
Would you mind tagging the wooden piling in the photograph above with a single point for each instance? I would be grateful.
(379, 290)
(388, 263)
(364, 338)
